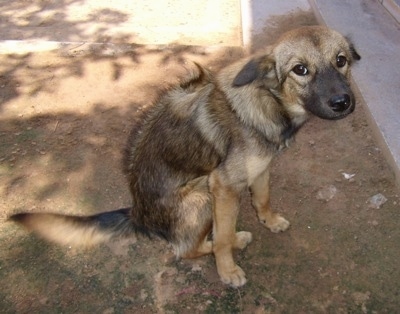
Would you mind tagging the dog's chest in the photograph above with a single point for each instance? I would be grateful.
(255, 165)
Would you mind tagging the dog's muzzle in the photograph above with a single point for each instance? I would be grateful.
(331, 96)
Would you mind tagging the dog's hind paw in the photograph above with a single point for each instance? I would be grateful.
(243, 238)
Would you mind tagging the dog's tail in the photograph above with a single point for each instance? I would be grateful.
(196, 78)
(78, 231)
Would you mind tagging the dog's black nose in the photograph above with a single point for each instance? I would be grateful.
(339, 103)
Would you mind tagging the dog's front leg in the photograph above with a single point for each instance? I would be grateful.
(225, 239)
(260, 200)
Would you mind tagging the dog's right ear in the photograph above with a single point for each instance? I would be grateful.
(354, 53)
(353, 50)
(257, 68)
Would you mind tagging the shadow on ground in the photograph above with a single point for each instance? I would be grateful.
(50, 20)
(101, 21)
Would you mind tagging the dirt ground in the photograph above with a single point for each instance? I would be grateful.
(64, 120)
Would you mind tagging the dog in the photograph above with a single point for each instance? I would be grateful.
(206, 140)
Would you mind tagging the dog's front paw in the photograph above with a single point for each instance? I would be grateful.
(276, 223)
(234, 277)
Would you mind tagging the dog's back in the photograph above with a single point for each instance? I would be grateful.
(166, 151)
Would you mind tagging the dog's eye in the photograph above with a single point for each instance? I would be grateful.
(341, 61)
(300, 70)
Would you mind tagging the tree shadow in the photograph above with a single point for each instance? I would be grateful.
(66, 114)
(50, 69)
(66, 117)
(51, 21)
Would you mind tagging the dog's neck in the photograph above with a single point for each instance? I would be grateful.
(282, 121)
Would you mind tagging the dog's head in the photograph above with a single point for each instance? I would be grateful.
(307, 67)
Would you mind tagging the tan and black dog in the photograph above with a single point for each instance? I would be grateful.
(210, 138)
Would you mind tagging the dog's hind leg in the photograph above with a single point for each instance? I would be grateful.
(194, 220)
(260, 200)
(204, 247)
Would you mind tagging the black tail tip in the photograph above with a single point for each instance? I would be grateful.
(20, 218)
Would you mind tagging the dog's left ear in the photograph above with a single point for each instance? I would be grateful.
(258, 68)
(247, 74)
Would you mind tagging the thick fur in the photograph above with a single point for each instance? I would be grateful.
(210, 138)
